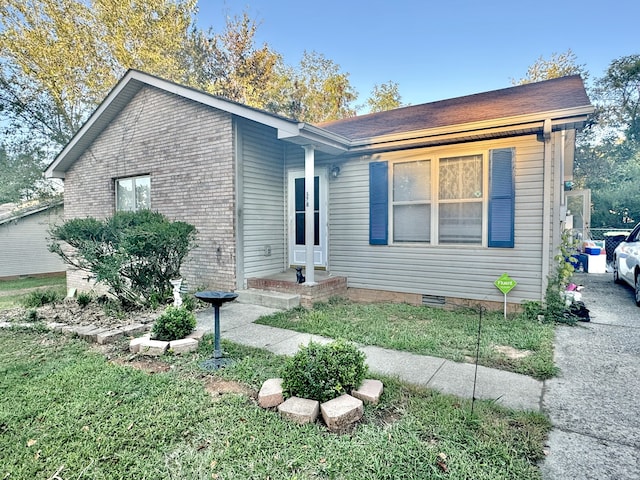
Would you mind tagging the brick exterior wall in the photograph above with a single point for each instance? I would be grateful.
(188, 151)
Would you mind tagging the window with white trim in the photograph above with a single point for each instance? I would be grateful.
(444, 200)
(133, 193)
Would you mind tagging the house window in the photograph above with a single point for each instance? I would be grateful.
(133, 193)
(444, 200)
(412, 201)
(460, 200)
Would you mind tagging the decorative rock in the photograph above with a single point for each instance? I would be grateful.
(135, 329)
(109, 336)
(134, 344)
(153, 348)
(184, 345)
(197, 334)
(56, 326)
(69, 330)
(342, 412)
(369, 391)
(299, 410)
(270, 394)
(90, 332)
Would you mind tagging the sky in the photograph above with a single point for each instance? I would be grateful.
(440, 49)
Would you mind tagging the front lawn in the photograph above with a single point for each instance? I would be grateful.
(68, 411)
(515, 344)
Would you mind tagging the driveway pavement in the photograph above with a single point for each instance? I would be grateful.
(595, 402)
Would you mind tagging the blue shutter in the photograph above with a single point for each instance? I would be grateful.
(378, 203)
(501, 198)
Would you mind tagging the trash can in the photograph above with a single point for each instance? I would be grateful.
(611, 241)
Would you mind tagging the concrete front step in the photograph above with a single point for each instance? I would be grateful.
(265, 298)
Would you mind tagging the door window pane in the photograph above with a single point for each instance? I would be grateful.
(299, 202)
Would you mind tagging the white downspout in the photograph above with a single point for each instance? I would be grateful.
(546, 206)
(309, 214)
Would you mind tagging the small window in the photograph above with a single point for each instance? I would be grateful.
(133, 193)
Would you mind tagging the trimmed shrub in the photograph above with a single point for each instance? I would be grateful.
(135, 254)
(322, 372)
(175, 323)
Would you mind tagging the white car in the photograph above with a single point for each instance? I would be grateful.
(626, 262)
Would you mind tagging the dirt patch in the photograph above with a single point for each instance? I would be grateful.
(511, 352)
(219, 386)
(149, 365)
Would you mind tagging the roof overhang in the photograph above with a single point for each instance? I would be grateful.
(475, 131)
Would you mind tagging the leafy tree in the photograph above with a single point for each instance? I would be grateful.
(558, 65)
(384, 97)
(608, 158)
(618, 95)
(22, 178)
(317, 91)
(235, 68)
(136, 254)
(59, 58)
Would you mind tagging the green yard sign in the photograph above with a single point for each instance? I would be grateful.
(505, 283)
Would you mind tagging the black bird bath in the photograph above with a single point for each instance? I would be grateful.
(216, 299)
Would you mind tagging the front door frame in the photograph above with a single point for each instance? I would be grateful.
(297, 252)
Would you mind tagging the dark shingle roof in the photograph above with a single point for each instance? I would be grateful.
(547, 96)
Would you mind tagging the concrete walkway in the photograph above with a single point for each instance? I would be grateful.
(509, 389)
(594, 404)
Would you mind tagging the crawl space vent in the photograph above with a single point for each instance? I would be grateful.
(432, 300)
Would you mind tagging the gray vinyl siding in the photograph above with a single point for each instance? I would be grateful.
(451, 271)
(262, 210)
(24, 245)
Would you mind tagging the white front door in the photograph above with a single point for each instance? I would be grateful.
(297, 220)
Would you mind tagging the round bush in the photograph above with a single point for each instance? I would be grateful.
(322, 372)
(175, 323)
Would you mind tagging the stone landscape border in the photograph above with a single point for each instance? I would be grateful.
(338, 414)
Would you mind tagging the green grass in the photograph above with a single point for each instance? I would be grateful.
(65, 409)
(33, 282)
(429, 331)
(11, 300)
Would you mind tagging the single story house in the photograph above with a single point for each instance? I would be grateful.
(24, 240)
(426, 204)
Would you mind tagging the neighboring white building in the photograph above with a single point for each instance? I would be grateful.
(24, 239)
